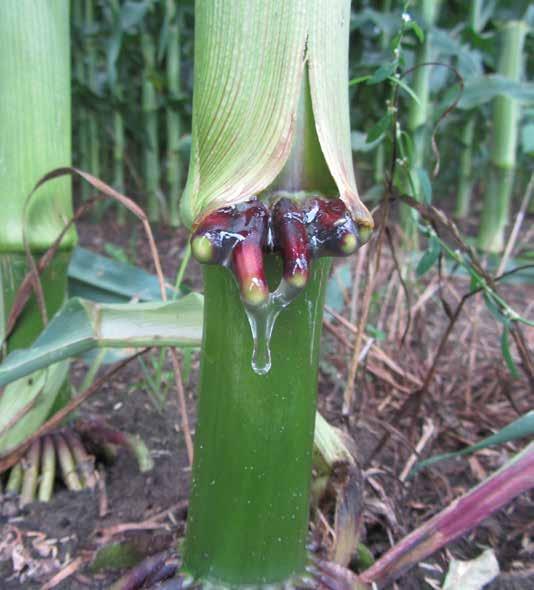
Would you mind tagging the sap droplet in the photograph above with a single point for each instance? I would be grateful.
(262, 319)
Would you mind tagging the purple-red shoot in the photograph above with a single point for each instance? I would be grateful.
(298, 230)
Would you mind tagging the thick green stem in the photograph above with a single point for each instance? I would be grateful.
(506, 113)
(249, 504)
(174, 120)
(150, 111)
(248, 517)
(418, 117)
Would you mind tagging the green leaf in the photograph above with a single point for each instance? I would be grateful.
(521, 428)
(359, 80)
(494, 309)
(425, 185)
(482, 89)
(83, 325)
(338, 283)
(133, 13)
(387, 22)
(359, 142)
(469, 61)
(413, 26)
(405, 87)
(375, 332)
(507, 355)
(380, 128)
(382, 73)
(429, 258)
(37, 392)
(95, 277)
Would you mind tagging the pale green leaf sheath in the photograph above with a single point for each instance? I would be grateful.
(250, 57)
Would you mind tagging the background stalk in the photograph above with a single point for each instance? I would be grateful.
(465, 181)
(150, 114)
(380, 154)
(173, 117)
(419, 115)
(82, 147)
(93, 136)
(506, 112)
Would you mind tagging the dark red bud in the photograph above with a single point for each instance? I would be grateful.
(247, 258)
(291, 238)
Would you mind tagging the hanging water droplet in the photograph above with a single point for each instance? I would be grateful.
(262, 319)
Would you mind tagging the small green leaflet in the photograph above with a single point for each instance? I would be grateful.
(521, 428)
(429, 258)
(383, 73)
(425, 185)
(381, 127)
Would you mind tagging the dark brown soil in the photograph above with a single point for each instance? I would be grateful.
(466, 401)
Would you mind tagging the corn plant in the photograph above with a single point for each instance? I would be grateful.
(419, 113)
(174, 123)
(506, 114)
(465, 181)
(271, 171)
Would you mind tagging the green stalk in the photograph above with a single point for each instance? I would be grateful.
(174, 120)
(465, 181)
(249, 504)
(150, 113)
(36, 130)
(118, 135)
(380, 154)
(35, 118)
(93, 137)
(248, 516)
(418, 116)
(506, 114)
(118, 154)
